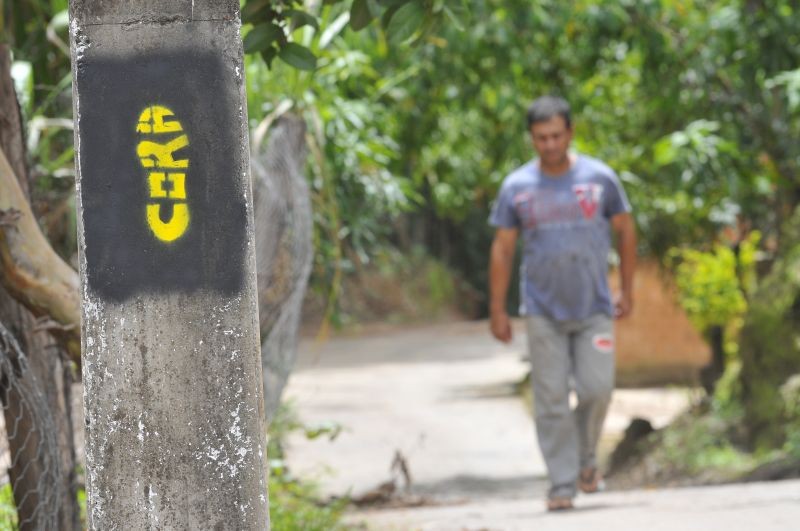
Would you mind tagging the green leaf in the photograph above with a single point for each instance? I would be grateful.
(262, 37)
(253, 9)
(269, 55)
(405, 22)
(664, 153)
(791, 80)
(298, 56)
(360, 15)
(389, 13)
(302, 18)
(455, 19)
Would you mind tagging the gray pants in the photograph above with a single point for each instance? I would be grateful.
(565, 354)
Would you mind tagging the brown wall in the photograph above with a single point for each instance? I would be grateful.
(657, 344)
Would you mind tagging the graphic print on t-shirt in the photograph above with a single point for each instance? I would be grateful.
(588, 195)
(546, 207)
(563, 207)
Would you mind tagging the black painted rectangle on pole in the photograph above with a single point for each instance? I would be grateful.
(171, 359)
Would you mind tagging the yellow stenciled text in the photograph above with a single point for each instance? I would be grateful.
(166, 179)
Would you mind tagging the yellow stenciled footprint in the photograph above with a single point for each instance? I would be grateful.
(167, 176)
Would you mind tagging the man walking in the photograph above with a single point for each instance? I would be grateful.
(563, 205)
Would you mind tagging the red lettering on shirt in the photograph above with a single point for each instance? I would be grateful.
(588, 197)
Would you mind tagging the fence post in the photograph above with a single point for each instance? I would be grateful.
(171, 367)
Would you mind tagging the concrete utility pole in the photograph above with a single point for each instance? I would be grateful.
(171, 365)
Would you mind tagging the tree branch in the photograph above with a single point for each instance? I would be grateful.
(31, 270)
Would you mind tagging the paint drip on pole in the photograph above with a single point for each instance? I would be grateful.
(171, 360)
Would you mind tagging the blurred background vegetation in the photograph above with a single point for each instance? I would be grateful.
(415, 113)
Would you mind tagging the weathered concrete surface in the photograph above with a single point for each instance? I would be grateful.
(442, 395)
(744, 507)
(88, 12)
(171, 364)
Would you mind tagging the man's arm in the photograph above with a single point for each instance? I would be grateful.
(625, 231)
(500, 262)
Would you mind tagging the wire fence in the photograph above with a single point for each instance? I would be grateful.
(29, 451)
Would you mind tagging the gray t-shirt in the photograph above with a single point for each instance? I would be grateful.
(564, 223)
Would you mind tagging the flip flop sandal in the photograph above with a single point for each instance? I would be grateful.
(559, 504)
(591, 481)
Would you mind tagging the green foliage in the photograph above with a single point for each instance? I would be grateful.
(284, 423)
(790, 81)
(695, 113)
(294, 503)
(790, 393)
(713, 285)
(678, 98)
(727, 399)
(709, 287)
(298, 56)
(701, 444)
(293, 507)
(8, 509)
(37, 31)
(770, 344)
(708, 442)
(440, 283)
(360, 14)
(274, 22)
(82, 506)
(695, 104)
(354, 193)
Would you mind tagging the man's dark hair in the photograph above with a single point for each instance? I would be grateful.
(544, 108)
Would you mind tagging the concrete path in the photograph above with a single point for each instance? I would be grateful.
(443, 397)
(746, 507)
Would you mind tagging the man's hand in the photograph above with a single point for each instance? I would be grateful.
(623, 305)
(626, 247)
(500, 324)
(502, 256)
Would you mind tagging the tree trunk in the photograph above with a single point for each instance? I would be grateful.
(713, 371)
(769, 348)
(11, 133)
(284, 250)
(43, 465)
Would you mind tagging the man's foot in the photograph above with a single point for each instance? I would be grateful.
(559, 503)
(591, 481)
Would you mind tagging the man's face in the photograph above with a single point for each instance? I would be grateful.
(551, 140)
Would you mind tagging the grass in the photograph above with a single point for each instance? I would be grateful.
(294, 504)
